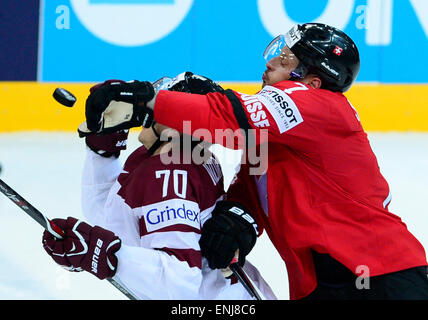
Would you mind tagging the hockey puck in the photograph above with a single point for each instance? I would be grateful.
(64, 97)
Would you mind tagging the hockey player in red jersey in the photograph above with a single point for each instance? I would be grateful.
(322, 199)
(146, 217)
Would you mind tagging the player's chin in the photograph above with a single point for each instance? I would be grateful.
(140, 136)
(265, 80)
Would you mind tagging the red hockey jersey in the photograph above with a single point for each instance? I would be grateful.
(323, 189)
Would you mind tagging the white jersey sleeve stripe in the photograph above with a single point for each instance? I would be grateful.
(172, 240)
(387, 200)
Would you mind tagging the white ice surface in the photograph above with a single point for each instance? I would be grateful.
(45, 169)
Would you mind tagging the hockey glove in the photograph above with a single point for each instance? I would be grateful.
(84, 248)
(116, 105)
(107, 145)
(230, 228)
(192, 83)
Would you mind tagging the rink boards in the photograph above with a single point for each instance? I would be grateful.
(381, 107)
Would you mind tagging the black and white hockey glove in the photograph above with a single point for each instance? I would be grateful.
(230, 228)
(116, 105)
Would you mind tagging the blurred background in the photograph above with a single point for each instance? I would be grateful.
(76, 43)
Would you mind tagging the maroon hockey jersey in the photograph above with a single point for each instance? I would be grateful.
(157, 208)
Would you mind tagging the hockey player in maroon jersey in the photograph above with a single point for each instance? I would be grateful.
(147, 217)
(322, 199)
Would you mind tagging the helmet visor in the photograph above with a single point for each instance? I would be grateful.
(274, 48)
(162, 84)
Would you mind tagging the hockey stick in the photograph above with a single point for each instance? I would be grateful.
(244, 280)
(48, 225)
(59, 233)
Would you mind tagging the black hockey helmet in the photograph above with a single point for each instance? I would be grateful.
(184, 82)
(325, 51)
(193, 83)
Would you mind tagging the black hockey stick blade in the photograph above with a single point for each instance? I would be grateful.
(244, 280)
(48, 225)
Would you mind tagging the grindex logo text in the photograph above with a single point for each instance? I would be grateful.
(171, 212)
(156, 216)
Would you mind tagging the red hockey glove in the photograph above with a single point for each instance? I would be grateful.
(83, 248)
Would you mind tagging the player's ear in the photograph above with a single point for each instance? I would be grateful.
(313, 80)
